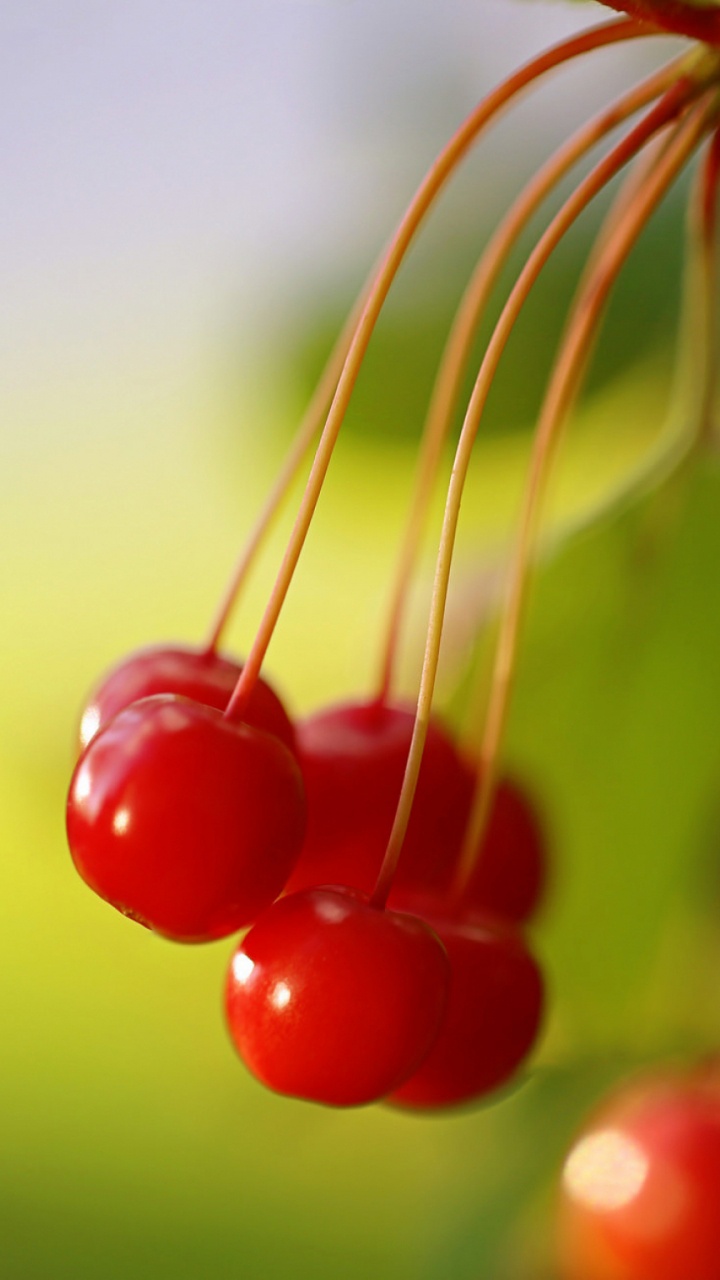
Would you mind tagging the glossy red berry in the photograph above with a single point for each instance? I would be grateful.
(493, 1014)
(333, 1000)
(353, 760)
(204, 677)
(184, 821)
(641, 1187)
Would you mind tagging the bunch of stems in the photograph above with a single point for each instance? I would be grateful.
(684, 103)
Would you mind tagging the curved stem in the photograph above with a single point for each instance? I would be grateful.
(684, 429)
(464, 328)
(473, 720)
(703, 267)
(563, 385)
(433, 183)
(656, 119)
(307, 431)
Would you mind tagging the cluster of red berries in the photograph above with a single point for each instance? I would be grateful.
(194, 824)
(384, 879)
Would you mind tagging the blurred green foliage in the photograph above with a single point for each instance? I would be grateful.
(392, 391)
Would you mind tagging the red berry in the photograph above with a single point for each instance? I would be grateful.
(185, 821)
(511, 869)
(205, 677)
(492, 1018)
(353, 760)
(641, 1187)
(334, 1000)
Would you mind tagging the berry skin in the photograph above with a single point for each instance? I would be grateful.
(493, 1014)
(353, 760)
(641, 1187)
(510, 872)
(203, 676)
(333, 1000)
(184, 821)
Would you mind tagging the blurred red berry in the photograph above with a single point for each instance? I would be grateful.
(641, 1186)
(203, 676)
(493, 1014)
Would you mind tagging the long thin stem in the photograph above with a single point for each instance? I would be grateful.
(306, 433)
(563, 385)
(703, 265)
(611, 164)
(474, 718)
(433, 183)
(458, 347)
(692, 401)
(684, 427)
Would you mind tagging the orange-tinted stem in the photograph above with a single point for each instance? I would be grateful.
(656, 119)
(704, 215)
(305, 435)
(569, 368)
(460, 340)
(429, 189)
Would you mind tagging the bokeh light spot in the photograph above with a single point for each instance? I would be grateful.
(605, 1170)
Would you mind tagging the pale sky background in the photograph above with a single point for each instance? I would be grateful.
(170, 165)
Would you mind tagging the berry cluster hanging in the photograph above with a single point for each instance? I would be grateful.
(385, 874)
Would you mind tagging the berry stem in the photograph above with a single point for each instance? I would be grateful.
(304, 437)
(702, 329)
(665, 111)
(569, 368)
(472, 727)
(437, 176)
(458, 347)
(682, 432)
